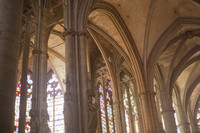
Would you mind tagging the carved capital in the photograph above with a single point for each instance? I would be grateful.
(36, 51)
(91, 100)
(81, 33)
(68, 32)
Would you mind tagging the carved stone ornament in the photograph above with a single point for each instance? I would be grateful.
(91, 100)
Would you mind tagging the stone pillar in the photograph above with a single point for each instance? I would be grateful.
(138, 106)
(167, 110)
(76, 103)
(169, 121)
(10, 23)
(23, 98)
(38, 113)
(92, 99)
(184, 127)
(70, 102)
(83, 77)
(119, 113)
(149, 112)
(42, 92)
(76, 106)
(193, 123)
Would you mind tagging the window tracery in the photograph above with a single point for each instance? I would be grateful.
(129, 104)
(104, 93)
(106, 105)
(55, 102)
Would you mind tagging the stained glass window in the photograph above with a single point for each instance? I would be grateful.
(55, 103)
(28, 107)
(102, 108)
(106, 107)
(198, 115)
(129, 105)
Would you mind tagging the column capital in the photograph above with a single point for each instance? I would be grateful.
(36, 51)
(68, 32)
(81, 33)
(147, 93)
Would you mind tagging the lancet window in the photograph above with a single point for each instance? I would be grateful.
(55, 102)
(198, 114)
(129, 105)
(104, 94)
(106, 111)
(28, 107)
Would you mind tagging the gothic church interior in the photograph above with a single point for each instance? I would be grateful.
(100, 66)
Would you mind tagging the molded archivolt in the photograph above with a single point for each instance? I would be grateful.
(129, 45)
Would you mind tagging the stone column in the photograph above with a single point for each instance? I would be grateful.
(10, 23)
(83, 77)
(70, 102)
(76, 107)
(42, 92)
(38, 113)
(169, 121)
(167, 110)
(184, 127)
(138, 106)
(119, 113)
(149, 112)
(23, 98)
(93, 97)
(193, 123)
(75, 104)
(183, 124)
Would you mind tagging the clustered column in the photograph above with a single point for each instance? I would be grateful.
(169, 121)
(10, 23)
(38, 113)
(167, 112)
(149, 112)
(75, 103)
